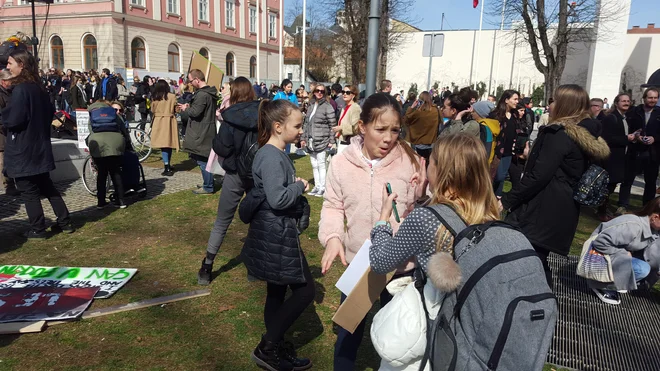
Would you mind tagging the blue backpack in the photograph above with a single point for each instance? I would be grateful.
(104, 120)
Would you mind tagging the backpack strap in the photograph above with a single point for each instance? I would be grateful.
(449, 218)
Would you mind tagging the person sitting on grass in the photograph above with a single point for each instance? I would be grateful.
(630, 241)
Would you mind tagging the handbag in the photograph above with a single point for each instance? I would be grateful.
(213, 165)
(592, 190)
(594, 265)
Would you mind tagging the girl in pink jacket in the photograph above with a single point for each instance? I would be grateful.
(352, 201)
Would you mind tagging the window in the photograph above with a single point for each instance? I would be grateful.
(137, 2)
(205, 53)
(57, 53)
(229, 13)
(173, 6)
(173, 58)
(91, 56)
(229, 66)
(138, 53)
(253, 20)
(253, 66)
(271, 25)
(203, 6)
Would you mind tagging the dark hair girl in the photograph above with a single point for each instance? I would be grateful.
(505, 113)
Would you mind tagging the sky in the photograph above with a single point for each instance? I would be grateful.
(459, 14)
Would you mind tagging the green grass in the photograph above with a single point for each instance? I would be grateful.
(165, 239)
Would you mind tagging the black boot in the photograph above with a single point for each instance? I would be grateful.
(204, 274)
(269, 356)
(289, 353)
(168, 171)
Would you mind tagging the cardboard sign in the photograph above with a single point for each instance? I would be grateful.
(355, 270)
(107, 280)
(82, 122)
(363, 296)
(213, 74)
(44, 304)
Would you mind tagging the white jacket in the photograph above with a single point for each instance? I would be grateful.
(398, 331)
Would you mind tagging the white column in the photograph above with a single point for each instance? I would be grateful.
(258, 29)
(156, 10)
(607, 60)
(216, 15)
(189, 13)
(481, 22)
(119, 6)
(241, 13)
(264, 22)
(280, 38)
(303, 74)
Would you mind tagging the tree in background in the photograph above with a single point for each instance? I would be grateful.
(538, 96)
(499, 91)
(550, 26)
(481, 88)
(413, 89)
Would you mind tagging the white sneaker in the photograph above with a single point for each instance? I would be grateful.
(313, 192)
(608, 296)
(320, 193)
(622, 291)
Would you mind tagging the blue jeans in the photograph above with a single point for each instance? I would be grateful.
(166, 154)
(208, 177)
(346, 347)
(502, 170)
(640, 268)
(287, 149)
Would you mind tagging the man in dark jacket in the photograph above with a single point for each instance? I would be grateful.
(142, 93)
(54, 85)
(644, 123)
(620, 140)
(7, 183)
(200, 129)
(109, 86)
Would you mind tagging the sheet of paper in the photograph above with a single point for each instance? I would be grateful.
(355, 270)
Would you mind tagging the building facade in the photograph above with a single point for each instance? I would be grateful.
(156, 37)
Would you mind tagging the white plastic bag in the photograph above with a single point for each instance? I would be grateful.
(214, 164)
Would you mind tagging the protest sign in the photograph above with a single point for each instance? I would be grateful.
(82, 123)
(212, 73)
(108, 280)
(44, 303)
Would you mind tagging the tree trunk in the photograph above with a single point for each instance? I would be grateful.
(383, 46)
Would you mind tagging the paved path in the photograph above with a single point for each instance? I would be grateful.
(13, 218)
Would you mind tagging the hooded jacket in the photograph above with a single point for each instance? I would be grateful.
(354, 193)
(238, 120)
(422, 125)
(200, 130)
(542, 206)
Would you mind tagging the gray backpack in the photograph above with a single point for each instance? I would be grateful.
(503, 314)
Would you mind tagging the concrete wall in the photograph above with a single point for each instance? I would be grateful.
(642, 58)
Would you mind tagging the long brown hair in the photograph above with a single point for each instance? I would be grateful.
(427, 102)
(462, 178)
(651, 207)
(377, 104)
(571, 105)
(270, 112)
(30, 70)
(241, 91)
(502, 107)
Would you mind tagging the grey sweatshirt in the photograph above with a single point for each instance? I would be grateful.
(273, 171)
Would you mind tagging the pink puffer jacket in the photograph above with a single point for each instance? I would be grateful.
(353, 195)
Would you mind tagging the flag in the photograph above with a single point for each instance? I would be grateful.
(475, 3)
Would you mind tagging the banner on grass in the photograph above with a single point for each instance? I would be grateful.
(108, 280)
(44, 303)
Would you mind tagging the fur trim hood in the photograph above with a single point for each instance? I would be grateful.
(595, 148)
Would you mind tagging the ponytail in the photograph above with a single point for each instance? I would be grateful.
(271, 111)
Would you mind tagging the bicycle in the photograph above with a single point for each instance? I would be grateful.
(90, 174)
(141, 142)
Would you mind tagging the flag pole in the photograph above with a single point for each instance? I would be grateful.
(497, 70)
(481, 23)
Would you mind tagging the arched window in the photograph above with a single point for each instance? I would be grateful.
(173, 58)
(57, 53)
(204, 52)
(253, 66)
(229, 65)
(138, 53)
(91, 56)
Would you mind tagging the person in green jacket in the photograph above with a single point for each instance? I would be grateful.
(107, 149)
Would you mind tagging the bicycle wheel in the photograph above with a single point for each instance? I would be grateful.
(89, 175)
(141, 143)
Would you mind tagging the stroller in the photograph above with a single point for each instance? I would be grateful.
(132, 175)
(64, 126)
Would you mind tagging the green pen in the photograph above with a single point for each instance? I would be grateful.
(396, 213)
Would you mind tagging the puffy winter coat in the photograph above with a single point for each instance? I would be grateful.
(319, 124)
(542, 205)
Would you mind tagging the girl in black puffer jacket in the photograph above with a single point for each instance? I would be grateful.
(274, 207)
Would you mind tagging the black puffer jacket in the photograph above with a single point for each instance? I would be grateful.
(237, 120)
(272, 251)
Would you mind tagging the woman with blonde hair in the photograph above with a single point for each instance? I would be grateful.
(347, 126)
(542, 205)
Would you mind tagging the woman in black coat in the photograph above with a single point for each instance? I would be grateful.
(542, 205)
(28, 152)
(78, 93)
(619, 138)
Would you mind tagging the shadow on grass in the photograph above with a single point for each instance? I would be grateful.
(231, 264)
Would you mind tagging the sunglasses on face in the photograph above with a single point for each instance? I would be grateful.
(348, 92)
(119, 111)
(319, 91)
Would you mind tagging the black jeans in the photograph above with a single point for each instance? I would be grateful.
(34, 187)
(543, 255)
(110, 165)
(143, 119)
(650, 170)
(515, 171)
(279, 314)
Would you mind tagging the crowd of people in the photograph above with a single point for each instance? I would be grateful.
(370, 156)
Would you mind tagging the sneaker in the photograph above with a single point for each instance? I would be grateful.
(204, 274)
(268, 356)
(622, 291)
(167, 171)
(320, 193)
(34, 235)
(201, 191)
(67, 229)
(12, 191)
(102, 206)
(313, 192)
(608, 296)
(289, 353)
(121, 205)
(620, 211)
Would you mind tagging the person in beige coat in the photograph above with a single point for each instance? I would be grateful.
(348, 118)
(164, 132)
